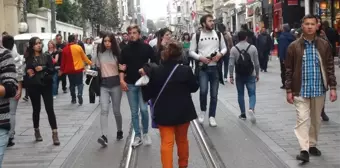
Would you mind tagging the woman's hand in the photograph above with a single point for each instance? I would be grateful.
(30, 72)
(142, 72)
(38, 68)
(122, 67)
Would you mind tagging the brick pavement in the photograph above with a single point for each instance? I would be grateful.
(276, 120)
(73, 121)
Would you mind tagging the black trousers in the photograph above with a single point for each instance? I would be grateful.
(35, 93)
(62, 78)
(264, 58)
(283, 72)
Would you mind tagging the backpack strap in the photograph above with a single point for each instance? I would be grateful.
(248, 47)
(219, 40)
(198, 35)
(238, 49)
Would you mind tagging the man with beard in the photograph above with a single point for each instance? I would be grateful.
(210, 48)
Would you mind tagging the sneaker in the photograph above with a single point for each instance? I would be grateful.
(252, 116)
(242, 117)
(138, 141)
(201, 117)
(54, 97)
(212, 122)
(103, 141)
(119, 135)
(147, 139)
(25, 98)
(73, 101)
(314, 151)
(324, 116)
(10, 142)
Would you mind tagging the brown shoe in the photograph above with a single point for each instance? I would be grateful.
(55, 138)
(37, 135)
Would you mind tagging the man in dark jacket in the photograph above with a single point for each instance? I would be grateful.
(264, 45)
(284, 40)
(251, 39)
(332, 36)
(60, 46)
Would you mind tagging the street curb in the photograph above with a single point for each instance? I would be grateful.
(71, 145)
(279, 152)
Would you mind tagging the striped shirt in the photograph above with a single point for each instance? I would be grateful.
(312, 83)
(9, 82)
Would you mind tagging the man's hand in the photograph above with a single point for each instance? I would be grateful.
(290, 98)
(205, 60)
(18, 95)
(217, 57)
(30, 72)
(123, 86)
(122, 67)
(231, 80)
(38, 68)
(333, 96)
(257, 78)
(60, 73)
(142, 72)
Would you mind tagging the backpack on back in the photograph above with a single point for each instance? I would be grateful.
(244, 65)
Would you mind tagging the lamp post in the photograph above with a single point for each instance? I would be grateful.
(53, 17)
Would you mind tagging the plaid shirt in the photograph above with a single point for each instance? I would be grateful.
(312, 83)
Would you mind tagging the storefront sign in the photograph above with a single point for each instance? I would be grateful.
(250, 1)
(293, 2)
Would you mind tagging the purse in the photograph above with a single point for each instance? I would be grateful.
(152, 105)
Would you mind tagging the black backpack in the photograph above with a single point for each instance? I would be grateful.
(244, 65)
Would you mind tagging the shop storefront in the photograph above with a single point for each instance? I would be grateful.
(254, 13)
(328, 10)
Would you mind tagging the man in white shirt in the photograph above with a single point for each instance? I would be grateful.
(208, 49)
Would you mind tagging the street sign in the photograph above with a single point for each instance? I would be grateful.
(58, 2)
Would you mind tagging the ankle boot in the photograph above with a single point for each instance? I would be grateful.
(55, 138)
(37, 135)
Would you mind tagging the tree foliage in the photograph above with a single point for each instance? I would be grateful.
(69, 12)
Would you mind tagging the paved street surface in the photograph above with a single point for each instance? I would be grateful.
(270, 143)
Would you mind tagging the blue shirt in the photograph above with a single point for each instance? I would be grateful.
(312, 83)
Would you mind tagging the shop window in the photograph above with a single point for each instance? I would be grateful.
(42, 29)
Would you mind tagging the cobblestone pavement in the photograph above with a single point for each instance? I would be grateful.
(73, 121)
(276, 120)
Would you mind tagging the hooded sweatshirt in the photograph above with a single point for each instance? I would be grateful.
(284, 40)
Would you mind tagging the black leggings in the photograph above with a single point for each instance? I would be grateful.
(46, 92)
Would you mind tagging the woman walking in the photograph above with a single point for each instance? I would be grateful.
(53, 53)
(40, 71)
(186, 46)
(170, 89)
(107, 62)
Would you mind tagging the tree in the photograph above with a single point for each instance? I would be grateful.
(111, 15)
(69, 12)
(150, 25)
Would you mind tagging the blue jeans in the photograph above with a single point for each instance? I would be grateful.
(3, 144)
(250, 83)
(226, 66)
(13, 104)
(210, 74)
(76, 80)
(137, 104)
(55, 84)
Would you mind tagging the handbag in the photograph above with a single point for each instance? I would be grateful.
(152, 105)
(144, 80)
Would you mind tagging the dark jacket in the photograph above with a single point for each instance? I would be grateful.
(175, 105)
(43, 77)
(285, 39)
(135, 55)
(293, 64)
(264, 43)
(332, 37)
(122, 45)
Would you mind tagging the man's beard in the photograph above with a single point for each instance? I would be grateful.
(208, 28)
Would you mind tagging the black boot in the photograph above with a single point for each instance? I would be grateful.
(10, 142)
(303, 156)
(324, 116)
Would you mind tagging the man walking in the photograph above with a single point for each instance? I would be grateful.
(60, 46)
(244, 57)
(133, 58)
(264, 45)
(210, 47)
(285, 39)
(309, 74)
(72, 64)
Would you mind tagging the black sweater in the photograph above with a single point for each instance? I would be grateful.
(135, 55)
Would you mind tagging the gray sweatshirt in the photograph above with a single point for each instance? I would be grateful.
(234, 55)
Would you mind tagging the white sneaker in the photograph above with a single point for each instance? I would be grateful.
(147, 139)
(252, 116)
(201, 117)
(54, 97)
(138, 141)
(212, 122)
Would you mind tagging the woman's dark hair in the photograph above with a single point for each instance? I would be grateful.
(114, 45)
(161, 33)
(8, 42)
(31, 44)
(186, 34)
(172, 51)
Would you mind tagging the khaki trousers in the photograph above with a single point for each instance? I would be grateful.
(308, 120)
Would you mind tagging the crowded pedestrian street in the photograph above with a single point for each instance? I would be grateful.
(270, 143)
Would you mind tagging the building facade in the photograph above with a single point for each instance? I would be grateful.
(179, 16)
(9, 20)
